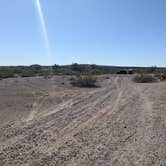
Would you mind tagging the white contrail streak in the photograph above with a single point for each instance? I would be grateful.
(44, 30)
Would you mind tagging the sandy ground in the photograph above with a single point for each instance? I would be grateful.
(48, 122)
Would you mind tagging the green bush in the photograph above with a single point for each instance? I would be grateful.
(144, 78)
(84, 81)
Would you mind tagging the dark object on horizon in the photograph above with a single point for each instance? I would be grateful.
(127, 71)
(122, 72)
(130, 71)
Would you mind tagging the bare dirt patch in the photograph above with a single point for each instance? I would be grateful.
(45, 122)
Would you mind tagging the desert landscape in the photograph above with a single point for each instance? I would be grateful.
(83, 83)
(50, 122)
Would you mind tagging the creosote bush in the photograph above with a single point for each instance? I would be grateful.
(84, 81)
(144, 78)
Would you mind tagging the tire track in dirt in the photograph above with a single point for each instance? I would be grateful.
(68, 132)
(37, 105)
(86, 127)
(112, 125)
(120, 155)
(141, 148)
(144, 137)
(33, 112)
(60, 107)
(23, 129)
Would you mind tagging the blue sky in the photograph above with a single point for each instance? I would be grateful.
(110, 32)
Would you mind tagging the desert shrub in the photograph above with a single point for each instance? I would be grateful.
(161, 76)
(144, 78)
(84, 81)
(94, 66)
(27, 73)
(6, 73)
(151, 69)
(147, 70)
(95, 71)
(78, 67)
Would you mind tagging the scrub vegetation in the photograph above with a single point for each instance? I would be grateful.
(144, 78)
(74, 69)
(84, 81)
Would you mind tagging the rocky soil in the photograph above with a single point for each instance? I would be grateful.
(49, 122)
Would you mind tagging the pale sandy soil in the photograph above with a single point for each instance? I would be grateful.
(45, 122)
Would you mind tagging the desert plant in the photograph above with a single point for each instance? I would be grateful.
(152, 69)
(144, 78)
(84, 81)
(6, 73)
(161, 76)
(93, 66)
(78, 67)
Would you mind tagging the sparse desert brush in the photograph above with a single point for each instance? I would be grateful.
(144, 78)
(6, 74)
(84, 81)
(162, 76)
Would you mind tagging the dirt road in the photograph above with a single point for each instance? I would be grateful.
(119, 124)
